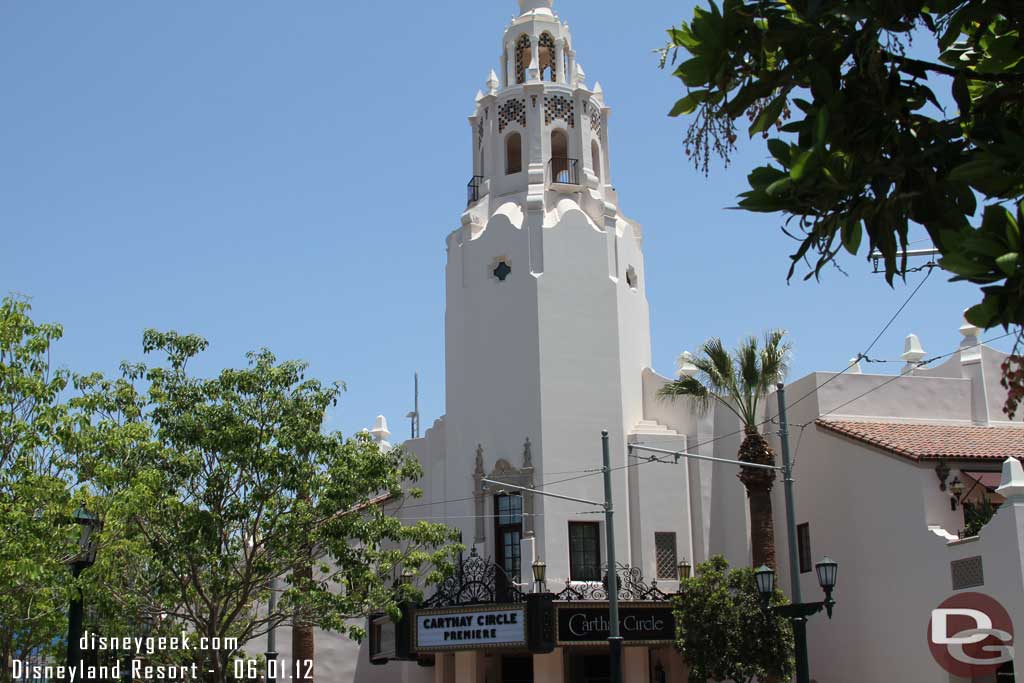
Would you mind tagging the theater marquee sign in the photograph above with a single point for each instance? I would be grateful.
(639, 623)
(470, 628)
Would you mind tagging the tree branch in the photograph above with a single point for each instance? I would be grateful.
(954, 72)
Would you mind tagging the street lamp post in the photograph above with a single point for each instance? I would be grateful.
(614, 637)
(272, 633)
(798, 611)
(84, 559)
(540, 570)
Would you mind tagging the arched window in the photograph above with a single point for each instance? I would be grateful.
(595, 157)
(547, 57)
(522, 57)
(513, 153)
(559, 157)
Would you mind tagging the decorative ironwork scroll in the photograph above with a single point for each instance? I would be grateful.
(476, 581)
(630, 583)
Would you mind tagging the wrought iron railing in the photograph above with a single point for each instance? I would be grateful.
(630, 582)
(564, 170)
(473, 189)
(476, 581)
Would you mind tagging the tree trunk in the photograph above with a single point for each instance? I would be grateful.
(758, 483)
(303, 646)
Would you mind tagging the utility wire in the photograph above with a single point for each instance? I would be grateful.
(863, 354)
(651, 459)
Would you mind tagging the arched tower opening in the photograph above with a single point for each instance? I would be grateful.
(559, 156)
(513, 153)
(522, 57)
(595, 157)
(547, 57)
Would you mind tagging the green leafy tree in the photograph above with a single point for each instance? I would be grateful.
(724, 631)
(738, 381)
(977, 515)
(209, 488)
(35, 488)
(860, 143)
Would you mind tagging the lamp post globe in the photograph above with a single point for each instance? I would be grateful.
(827, 569)
(765, 577)
(540, 571)
(406, 577)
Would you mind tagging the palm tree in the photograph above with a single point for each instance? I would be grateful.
(739, 381)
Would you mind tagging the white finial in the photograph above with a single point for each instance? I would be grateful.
(533, 72)
(598, 90)
(492, 83)
(969, 331)
(912, 353)
(380, 433)
(685, 366)
(530, 5)
(1012, 484)
(580, 76)
(479, 96)
(854, 368)
(380, 428)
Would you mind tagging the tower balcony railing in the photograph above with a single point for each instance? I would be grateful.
(473, 189)
(564, 171)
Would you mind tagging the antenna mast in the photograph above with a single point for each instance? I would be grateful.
(414, 416)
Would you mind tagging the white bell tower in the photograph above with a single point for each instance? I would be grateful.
(547, 326)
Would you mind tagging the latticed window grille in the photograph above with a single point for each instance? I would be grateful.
(967, 573)
(665, 554)
(547, 57)
(595, 120)
(522, 57)
(512, 111)
(558, 107)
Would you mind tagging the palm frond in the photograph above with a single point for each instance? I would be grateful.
(774, 359)
(738, 380)
(688, 386)
(716, 364)
(748, 363)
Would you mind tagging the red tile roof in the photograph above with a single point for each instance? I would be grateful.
(932, 442)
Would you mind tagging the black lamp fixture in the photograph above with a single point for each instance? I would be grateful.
(540, 571)
(956, 487)
(684, 569)
(765, 577)
(827, 569)
(408, 574)
(90, 523)
(82, 560)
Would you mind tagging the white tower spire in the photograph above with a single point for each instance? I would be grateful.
(545, 291)
(530, 5)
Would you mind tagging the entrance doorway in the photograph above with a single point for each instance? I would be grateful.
(517, 669)
(588, 668)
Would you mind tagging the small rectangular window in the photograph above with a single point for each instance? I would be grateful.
(803, 545)
(665, 555)
(584, 551)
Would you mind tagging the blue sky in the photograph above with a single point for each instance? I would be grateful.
(284, 174)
